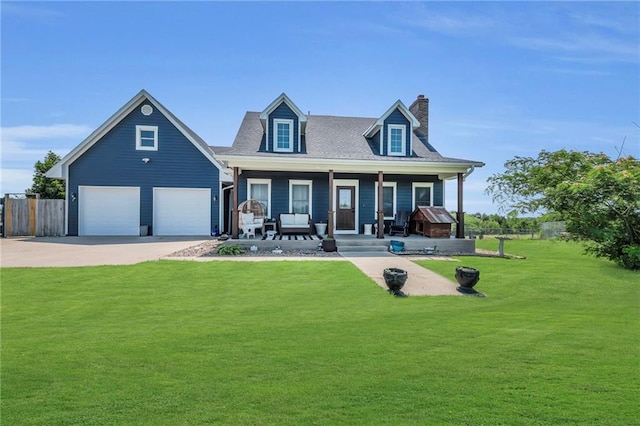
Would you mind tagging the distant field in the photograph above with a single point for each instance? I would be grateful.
(556, 341)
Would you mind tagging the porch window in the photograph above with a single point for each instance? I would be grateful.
(396, 140)
(388, 200)
(300, 196)
(283, 135)
(260, 190)
(422, 194)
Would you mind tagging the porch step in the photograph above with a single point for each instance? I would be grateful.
(350, 244)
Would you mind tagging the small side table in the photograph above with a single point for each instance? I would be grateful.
(268, 226)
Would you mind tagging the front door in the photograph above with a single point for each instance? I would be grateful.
(346, 208)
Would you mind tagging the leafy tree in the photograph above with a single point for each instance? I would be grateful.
(46, 187)
(597, 197)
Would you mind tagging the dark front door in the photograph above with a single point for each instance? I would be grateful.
(346, 212)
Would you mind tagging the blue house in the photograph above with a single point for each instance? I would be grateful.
(142, 171)
(343, 171)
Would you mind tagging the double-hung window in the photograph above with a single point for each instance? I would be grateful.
(300, 196)
(147, 138)
(396, 138)
(260, 190)
(422, 194)
(388, 199)
(283, 135)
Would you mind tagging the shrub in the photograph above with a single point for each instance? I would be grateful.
(230, 250)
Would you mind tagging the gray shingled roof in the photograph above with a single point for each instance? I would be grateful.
(328, 137)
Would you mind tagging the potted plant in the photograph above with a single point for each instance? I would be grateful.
(329, 244)
(395, 279)
(467, 277)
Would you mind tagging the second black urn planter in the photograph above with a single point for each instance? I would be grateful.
(395, 279)
(467, 277)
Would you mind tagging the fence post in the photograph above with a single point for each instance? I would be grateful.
(7, 215)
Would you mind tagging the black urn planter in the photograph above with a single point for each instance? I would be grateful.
(329, 245)
(467, 277)
(395, 279)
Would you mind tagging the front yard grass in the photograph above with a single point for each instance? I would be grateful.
(556, 341)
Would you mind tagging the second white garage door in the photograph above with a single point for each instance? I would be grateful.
(181, 211)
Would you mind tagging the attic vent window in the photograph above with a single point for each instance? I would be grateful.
(146, 138)
(146, 110)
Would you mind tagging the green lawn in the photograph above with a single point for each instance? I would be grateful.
(556, 341)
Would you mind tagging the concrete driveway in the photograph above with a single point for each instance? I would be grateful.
(88, 251)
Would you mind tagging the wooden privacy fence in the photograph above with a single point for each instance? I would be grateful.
(34, 217)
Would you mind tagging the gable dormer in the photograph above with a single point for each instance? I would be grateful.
(391, 133)
(284, 125)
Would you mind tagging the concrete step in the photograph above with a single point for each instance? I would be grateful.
(361, 248)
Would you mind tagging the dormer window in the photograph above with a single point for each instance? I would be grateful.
(283, 135)
(396, 140)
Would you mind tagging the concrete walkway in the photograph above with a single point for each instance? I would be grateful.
(420, 281)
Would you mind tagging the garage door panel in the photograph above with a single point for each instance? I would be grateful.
(107, 210)
(181, 211)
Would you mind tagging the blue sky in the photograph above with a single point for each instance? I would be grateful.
(503, 78)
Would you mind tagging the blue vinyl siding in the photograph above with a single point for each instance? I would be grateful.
(280, 191)
(396, 117)
(374, 143)
(114, 161)
(283, 112)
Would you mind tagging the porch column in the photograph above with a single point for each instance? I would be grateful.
(460, 212)
(380, 206)
(234, 201)
(330, 212)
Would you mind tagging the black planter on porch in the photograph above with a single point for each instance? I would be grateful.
(467, 277)
(329, 244)
(395, 279)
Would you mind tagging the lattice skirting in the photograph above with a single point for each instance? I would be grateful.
(291, 238)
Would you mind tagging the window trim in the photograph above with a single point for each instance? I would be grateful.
(277, 121)
(395, 200)
(254, 181)
(309, 183)
(415, 185)
(403, 129)
(139, 130)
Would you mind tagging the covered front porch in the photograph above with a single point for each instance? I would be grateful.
(346, 201)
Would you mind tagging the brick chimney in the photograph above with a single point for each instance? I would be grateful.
(420, 109)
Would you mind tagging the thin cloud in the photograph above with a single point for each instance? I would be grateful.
(451, 24)
(22, 133)
(580, 47)
(15, 180)
(32, 11)
(624, 24)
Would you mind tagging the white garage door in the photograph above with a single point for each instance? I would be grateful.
(181, 211)
(108, 210)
